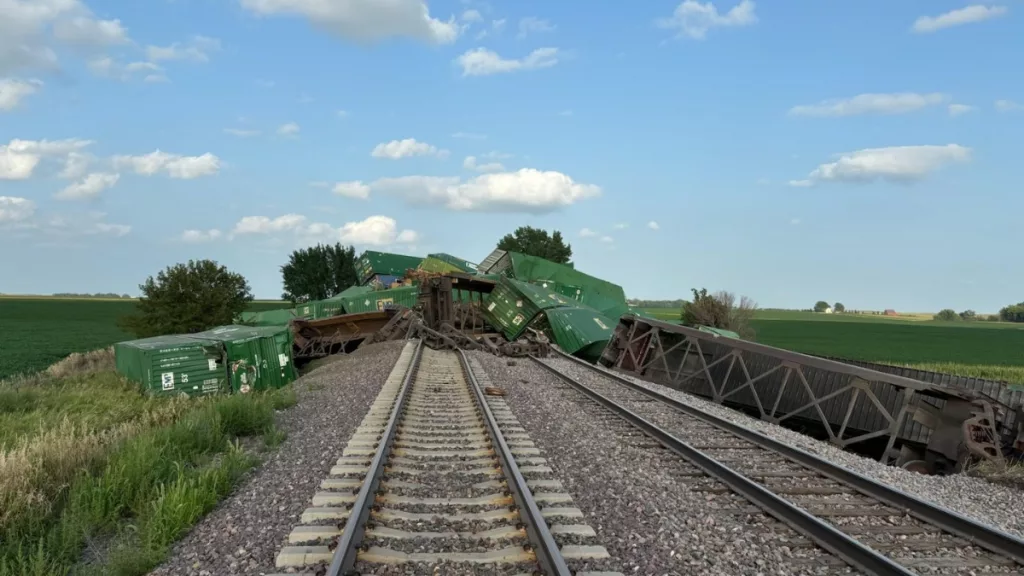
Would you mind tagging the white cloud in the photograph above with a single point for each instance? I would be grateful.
(197, 49)
(895, 163)
(1008, 106)
(587, 233)
(469, 136)
(694, 19)
(620, 226)
(107, 67)
(353, 189)
(607, 239)
(472, 16)
(85, 31)
(13, 91)
(113, 229)
(342, 113)
(155, 78)
(533, 25)
(966, 15)
(526, 190)
(406, 148)
(958, 109)
(407, 237)
(265, 225)
(75, 165)
(470, 163)
(498, 25)
(14, 209)
(653, 225)
(241, 133)
(289, 130)
(365, 20)
(483, 62)
(373, 231)
(801, 183)
(897, 103)
(174, 165)
(19, 158)
(89, 187)
(200, 236)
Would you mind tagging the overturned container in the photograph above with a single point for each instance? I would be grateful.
(173, 364)
(258, 358)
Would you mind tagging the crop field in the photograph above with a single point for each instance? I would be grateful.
(36, 332)
(982, 349)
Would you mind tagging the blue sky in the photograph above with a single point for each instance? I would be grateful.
(866, 152)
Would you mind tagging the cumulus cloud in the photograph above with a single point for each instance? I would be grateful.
(373, 231)
(117, 230)
(607, 239)
(470, 163)
(959, 17)
(897, 103)
(484, 62)
(364, 20)
(693, 19)
(19, 158)
(533, 25)
(289, 130)
(89, 187)
(265, 225)
(587, 233)
(526, 190)
(86, 31)
(107, 67)
(173, 165)
(200, 236)
(14, 209)
(76, 164)
(1008, 106)
(13, 91)
(959, 109)
(241, 133)
(653, 225)
(197, 49)
(353, 189)
(406, 148)
(895, 163)
(472, 16)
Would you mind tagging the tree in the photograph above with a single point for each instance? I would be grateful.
(969, 315)
(537, 242)
(839, 307)
(1012, 313)
(947, 315)
(720, 310)
(821, 306)
(188, 298)
(319, 272)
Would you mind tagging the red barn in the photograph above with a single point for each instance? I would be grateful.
(890, 312)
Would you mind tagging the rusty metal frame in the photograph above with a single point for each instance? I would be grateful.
(642, 350)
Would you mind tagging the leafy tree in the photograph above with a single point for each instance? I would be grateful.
(821, 306)
(537, 242)
(947, 315)
(839, 307)
(188, 298)
(720, 310)
(969, 315)
(319, 272)
(1012, 313)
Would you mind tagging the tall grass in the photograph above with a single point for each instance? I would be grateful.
(86, 458)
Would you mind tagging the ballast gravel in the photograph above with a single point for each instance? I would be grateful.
(649, 521)
(998, 506)
(245, 533)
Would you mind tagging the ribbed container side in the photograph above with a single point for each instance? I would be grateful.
(377, 300)
(512, 305)
(606, 297)
(489, 262)
(430, 264)
(279, 317)
(385, 263)
(167, 365)
(579, 330)
(259, 358)
(351, 291)
(461, 263)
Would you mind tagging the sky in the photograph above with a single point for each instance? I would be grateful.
(864, 152)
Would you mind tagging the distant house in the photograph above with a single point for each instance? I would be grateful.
(890, 312)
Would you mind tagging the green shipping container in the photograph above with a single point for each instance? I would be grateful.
(430, 264)
(372, 263)
(258, 358)
(461, 263)
(352, 291)
(166, 365)
(512, 305)
(280, 317)
(605, 297)
(376, 300)
(580, 331)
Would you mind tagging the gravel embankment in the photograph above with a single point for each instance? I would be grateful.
(244, 534)
(976, 498)
(648, 519)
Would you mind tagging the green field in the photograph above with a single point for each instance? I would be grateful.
(36, 332)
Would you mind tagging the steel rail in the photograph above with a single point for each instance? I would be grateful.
(548, 555)
(984, 536)
(818, 531)
(346, 554)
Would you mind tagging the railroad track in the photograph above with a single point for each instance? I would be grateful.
(439, 478)
(873, 528)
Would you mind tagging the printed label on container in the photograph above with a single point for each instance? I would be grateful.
(283, 359)
(518, 319)
(212, 364)
(167, 380)
(599, 323)
(490, 307)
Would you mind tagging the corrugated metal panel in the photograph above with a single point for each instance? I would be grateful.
(373, 263)
(166, 365)
(512, 305)
(351, 291)
(304, 311)
(580, 330)
(490, 261)
(438, 266)
(376, 301)
(605, 297)
(461, 263)
(279, 317)
(259, 358)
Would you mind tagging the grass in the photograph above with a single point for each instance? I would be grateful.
(96, 478)
(36, 332)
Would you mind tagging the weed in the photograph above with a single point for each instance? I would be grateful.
(274, 437)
